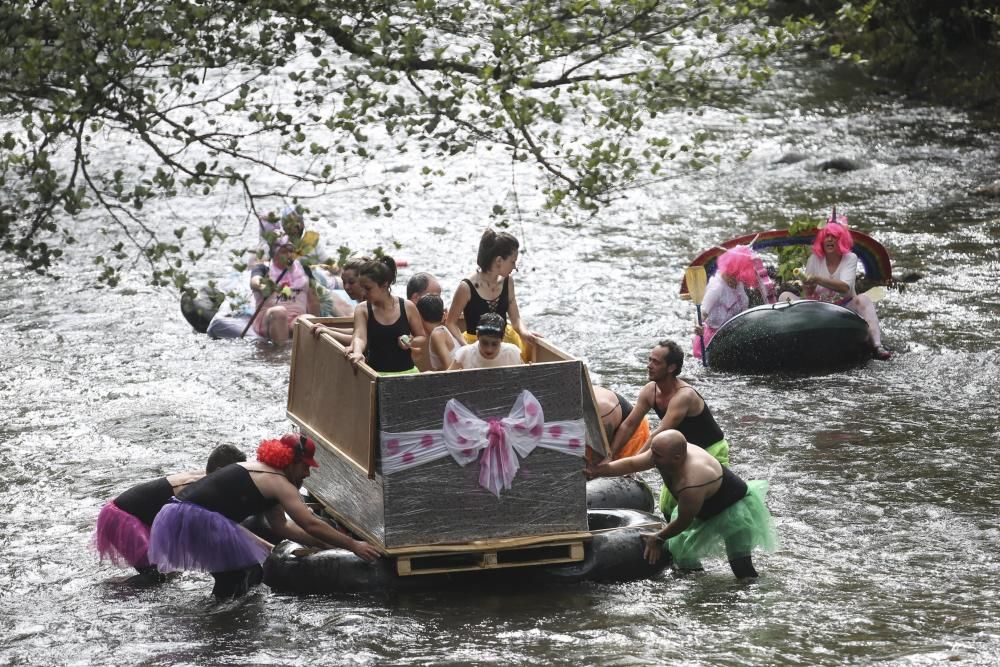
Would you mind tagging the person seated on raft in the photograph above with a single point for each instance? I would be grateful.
(283, 288)
(489, 350)
(726, 295)
(716, 512)
(385, 327)
(441, 342)
(421, 284)
(122, 532)
(491, 290)
(614, 409)
(291, 224)
(318, 265)
(678, 405)
(830, 275)
(418, 286)
(201, 529)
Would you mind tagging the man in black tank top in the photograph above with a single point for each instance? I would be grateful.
(717, 512)
(677, 404)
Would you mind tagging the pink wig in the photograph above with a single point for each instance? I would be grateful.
(738, 262)
(837, 230)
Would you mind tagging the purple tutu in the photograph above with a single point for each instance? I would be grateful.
(121, 537)
(186, 536)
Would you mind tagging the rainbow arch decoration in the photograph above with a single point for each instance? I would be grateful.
(872, 254)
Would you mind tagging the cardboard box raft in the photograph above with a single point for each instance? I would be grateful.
(354, 418)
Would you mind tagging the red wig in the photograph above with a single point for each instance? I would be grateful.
(839, 231)
(738, 263)
(276, 454)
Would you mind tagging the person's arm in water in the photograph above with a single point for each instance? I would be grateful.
(626, 429)
(308, 523)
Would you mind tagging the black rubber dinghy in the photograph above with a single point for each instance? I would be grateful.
(619, 493)
(801, 336)
(615, 553)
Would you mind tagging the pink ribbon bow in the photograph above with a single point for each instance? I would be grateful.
(496, 443)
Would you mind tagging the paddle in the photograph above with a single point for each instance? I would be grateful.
(876, 293)
(695, 278)
(263, 300)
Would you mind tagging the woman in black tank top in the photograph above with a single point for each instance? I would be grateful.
(490, 289)
(384, 327)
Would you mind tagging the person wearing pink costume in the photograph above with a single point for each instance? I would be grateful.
(200, 530)
(831, 271)
(726, 294)
(289, 295)
(122, 532)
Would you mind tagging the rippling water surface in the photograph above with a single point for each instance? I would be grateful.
(883, 479)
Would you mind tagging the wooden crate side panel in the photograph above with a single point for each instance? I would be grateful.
(349, 494)
(443, 502)
(546, 351)
(597, 439)
(328, 399)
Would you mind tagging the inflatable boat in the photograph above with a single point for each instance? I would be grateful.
(797, 336)
(802, 336)
(614, 553)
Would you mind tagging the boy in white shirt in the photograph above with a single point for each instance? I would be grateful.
(489, 350)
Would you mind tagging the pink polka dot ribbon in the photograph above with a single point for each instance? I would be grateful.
(497, 443)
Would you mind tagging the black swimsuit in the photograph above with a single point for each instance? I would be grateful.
(478, 306)
(144, 501)
(383, 352)
(731, 491)
(702, 429)
(230, 491)
(624, 405)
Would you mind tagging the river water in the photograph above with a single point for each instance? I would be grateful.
(883, 483)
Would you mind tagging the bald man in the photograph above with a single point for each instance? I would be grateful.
(714, 506)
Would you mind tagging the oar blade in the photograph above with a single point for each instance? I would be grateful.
(696, 279)
(876, 293)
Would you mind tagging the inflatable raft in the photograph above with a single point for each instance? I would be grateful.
(613, 553)
(802, 336)
(619, 493)
(798, 336)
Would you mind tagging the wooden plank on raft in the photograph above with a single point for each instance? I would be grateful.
(319, 406)
(498, 559)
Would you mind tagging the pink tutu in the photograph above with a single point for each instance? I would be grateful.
(121, 537)
(186, 536)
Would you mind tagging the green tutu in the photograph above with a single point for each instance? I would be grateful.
(733, 533)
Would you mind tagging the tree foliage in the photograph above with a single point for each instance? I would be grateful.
(946, 51)
(206, 94)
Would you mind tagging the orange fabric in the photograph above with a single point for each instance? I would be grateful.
(637, 440)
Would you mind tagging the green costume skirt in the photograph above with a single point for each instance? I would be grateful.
(719, 450)
(732, 533)
(409, 371)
